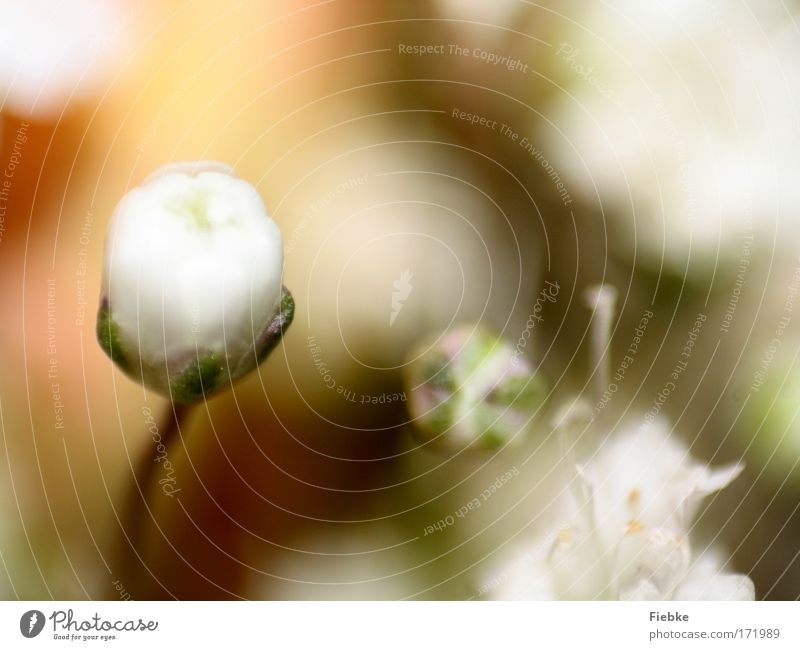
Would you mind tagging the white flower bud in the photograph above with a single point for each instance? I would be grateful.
(54, 53)
(191, 293)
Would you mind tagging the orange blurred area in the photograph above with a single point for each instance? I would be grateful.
(287, 94)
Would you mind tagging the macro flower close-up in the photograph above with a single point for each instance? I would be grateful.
(487, 305)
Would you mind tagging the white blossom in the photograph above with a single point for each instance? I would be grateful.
(191, 292)
(626, 531)
(52, 52)
(681, 116)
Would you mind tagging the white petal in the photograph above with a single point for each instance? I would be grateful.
(644, 473)
(530, 582)
(580, 567)
(190, 168)
(706, 580)
(525, 576)
(703, 481)
(723, 586)
(712, 480)
(640, 589)
(650, 564)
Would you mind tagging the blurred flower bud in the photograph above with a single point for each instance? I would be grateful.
(191, 294)
(470, 385)
(55, 53)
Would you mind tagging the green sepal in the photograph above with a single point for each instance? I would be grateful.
(275, 330)
(109, 338)
(437, 371)
(202, 377)
(522, 392)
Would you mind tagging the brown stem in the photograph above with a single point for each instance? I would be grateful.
(135, 518)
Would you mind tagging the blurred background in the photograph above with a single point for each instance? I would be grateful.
(470, 150)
